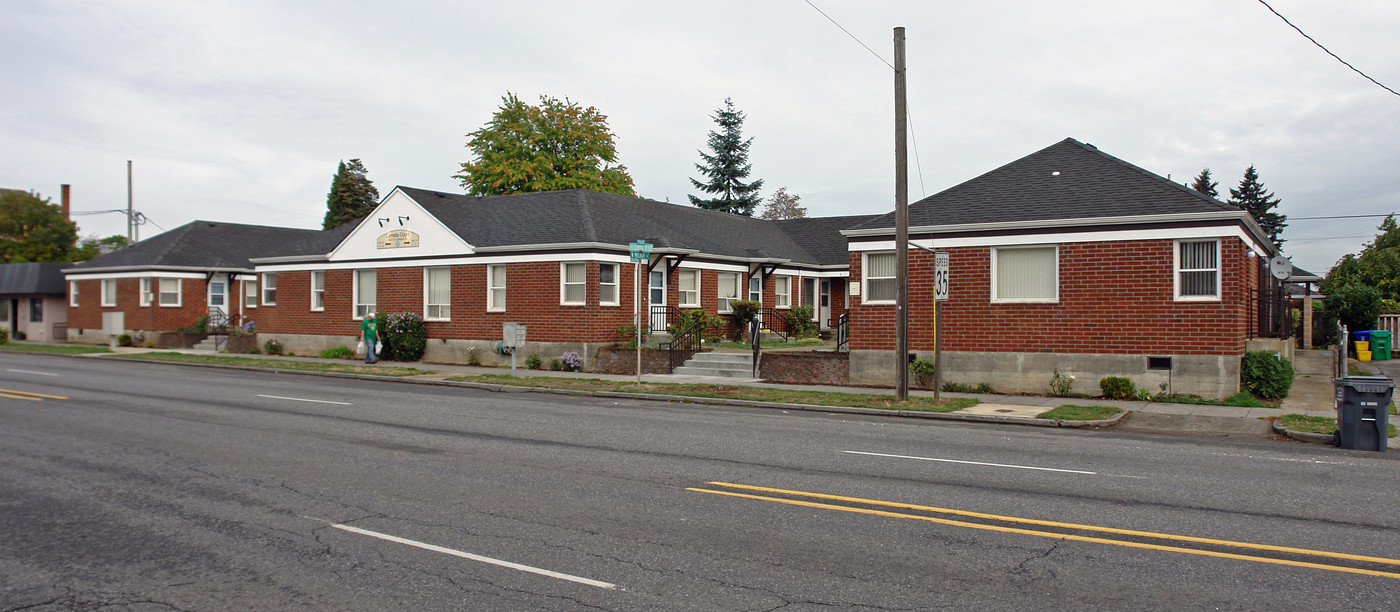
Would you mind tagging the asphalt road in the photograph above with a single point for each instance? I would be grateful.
(155, 487)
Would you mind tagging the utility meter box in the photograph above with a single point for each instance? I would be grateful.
(113, 323)
(513, 335)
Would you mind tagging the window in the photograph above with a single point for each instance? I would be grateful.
(607, 284)
(72, 293)
(782, 291)
(690, 288)
(1198, 270)
(496, 288)
(36, 310)
(366, 291)
(269, 296)
(4, 310)
(1025, 274)
(755, 288)
(216, 295)
(572, 278)
(146, 295)
(879, 278)
(728, 290)
(169, 292)
(439, 283)
(109, 292)
(318, 290)
(250, 294)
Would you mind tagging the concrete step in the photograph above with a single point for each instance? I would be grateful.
(722, 365)
(713, 372)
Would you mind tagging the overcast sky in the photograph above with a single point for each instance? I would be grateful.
(241, 111)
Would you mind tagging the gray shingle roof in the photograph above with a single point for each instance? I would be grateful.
(202, 245)
(821, 236)
(32, 278)
(1067, 180)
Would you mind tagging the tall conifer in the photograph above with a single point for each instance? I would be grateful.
(727, 166)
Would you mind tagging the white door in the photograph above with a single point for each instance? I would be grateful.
(218, 295)
(656, 296)
(824, 306)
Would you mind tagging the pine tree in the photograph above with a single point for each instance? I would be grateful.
(1204, 185)
(1252, 197)
(726, 168)
(783, 205)
(352, 195)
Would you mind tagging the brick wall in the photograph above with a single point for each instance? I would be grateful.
(611, 360)
(805, 368)
(1114, 297)
(87, 315)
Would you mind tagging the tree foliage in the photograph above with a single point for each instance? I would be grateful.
(92, 246)
(727, 166)
(556, 145)
(32, 229)
(1204, 185)
(784, 205)
(352, 195)
(1251, 196)
(1377, 266)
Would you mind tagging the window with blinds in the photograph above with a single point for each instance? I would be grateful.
(880, 278)
(607, 284)
(782, 291)
(1198, 270)
(728, 290)
(366, 292)
(690, 288)
(496, 288)
(574, 277)
(439, 294)
(169, 292)
(1025, 274)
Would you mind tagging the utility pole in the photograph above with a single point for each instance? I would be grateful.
(130, 216)
(901, 225)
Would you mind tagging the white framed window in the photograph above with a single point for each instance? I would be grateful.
(727, 290)
(318, 290)
(573, 288)
(690, 288)
(170, 292)
(878, 276)
(438, 296)
(147, 294)
(269, 289)
(250, 293)
(366, 292)
(755, 288)
(1197, 264)
(1026, 274)
(109, 292)
(72, 293)
(607, 284)
(782, 291)
(496, 288)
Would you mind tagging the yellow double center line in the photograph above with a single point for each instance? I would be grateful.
(26, 395)
(1050, 534)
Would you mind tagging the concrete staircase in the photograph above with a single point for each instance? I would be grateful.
(206, 344)
(725, 365)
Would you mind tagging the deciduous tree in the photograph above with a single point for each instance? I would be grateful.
(727, 166)
(783, 205)
(352, 195)
(33, 229)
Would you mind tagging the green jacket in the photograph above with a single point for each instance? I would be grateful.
(370, 328)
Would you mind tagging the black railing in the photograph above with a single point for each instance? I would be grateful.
(661, 318)
(1270, 313)
(778, 322)
(685, 344)
(218, 325)
(842, 325)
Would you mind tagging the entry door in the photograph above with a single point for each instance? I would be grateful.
(218, 295)
(656, 286)
(824, 309)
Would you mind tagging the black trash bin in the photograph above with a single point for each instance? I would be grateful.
(1363, 406)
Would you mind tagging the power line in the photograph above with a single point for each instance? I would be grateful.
(1342, 217)
(848, 33)
(1319, 45)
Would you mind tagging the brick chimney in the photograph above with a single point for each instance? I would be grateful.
(63, 198)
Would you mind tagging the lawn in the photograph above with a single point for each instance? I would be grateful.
(755, 394)
(1316, 424)
(65, 349)
(1079, 413)
(279, 364)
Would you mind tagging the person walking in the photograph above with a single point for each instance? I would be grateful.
(370, 328)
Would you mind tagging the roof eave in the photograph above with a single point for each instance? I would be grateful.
(1238, 216)
(152, 268)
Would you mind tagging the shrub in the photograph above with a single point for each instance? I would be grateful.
(338, 352)
(923, 371)
(627, 335)
(272, 347)
(741, 313)
(694, 318)
(556, 365)
(953, 387)
(1265, 374)
(1356, 306)
(124, 340)
(1060, 384)
(404, 334)
(4, 336)
(572, 362)
(251, 327)
(1118, 387)
(534, 362)
(801, 319)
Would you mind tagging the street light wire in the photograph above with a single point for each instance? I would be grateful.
(1329, 51)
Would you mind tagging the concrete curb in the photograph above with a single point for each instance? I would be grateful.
(685, 399)
(1304, 436)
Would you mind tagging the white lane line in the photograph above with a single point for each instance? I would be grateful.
(1005, 465)
(467, 555)
(31, 372)
(301, 399)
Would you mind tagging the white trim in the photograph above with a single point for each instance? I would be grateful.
(72, 293)
(865, 279)
(616, 284)
(993, 288)
(102, 298)
(145, 292)
(428, 291)
(243, 289)
(1237, 216)
(146, 273)
(1176, 274)
(318, 274)
(355, 294)
(179, 293)
(1178, 233)
(368, 230)
(563, 286)
(491, 306)
(262, 289)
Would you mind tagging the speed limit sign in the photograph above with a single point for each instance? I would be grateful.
(940, 276)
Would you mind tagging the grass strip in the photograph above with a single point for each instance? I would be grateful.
(737, 392)
(1079, 413)
(279, 364)
(1243, 399)
(1317, 424)
(68, 349)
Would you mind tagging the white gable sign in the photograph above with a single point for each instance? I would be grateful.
(399, 227)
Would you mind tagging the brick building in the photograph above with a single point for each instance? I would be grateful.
(1066, 259)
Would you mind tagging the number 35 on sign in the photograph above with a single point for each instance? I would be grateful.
(940, 276)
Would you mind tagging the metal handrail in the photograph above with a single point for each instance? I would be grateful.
(842, 325)
(685, 344)
(778, 322)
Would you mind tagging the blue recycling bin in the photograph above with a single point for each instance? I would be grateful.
(1362, 336)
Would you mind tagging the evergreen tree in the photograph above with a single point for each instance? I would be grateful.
(783, 205)
(727, 167)
(33, 229)
(352, 195)
(556, 145)
(1203, 184)
(1252, 197)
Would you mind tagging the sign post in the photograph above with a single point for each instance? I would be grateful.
(640, 251)
(940, 295)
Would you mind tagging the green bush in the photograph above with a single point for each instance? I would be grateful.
(1118, 387)
(124, 340)
(4, 336)
(741, 312)
(801, 319)
(338, 352)
(923, 371)
(272, 347)
(1061, 384)
(708, 322)
(1356, 306)
(556, 365)
(534, 362)
(953, 387)
(627, 335)
(404, 334)
(472, 359)
(1266, 375)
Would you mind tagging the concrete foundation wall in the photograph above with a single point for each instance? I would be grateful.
(1212, 376)
(439, 350)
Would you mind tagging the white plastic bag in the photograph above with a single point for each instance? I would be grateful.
(378, 348)
(360, 348)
